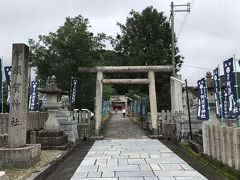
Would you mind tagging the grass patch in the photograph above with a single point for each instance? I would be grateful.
(223, 169)
(139, 119)
(105, 118)
(46, 157)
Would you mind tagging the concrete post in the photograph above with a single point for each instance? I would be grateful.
(153, 101)
(176, 94)
(236, 148)
(98, 104)
(230, 149)
(18, 114)
(212, 140)
(224, 145)
(205, 136)
(218, 143)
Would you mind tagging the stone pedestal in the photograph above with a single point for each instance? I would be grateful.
(53, 138)
(66, 121)
(68, 125)
(21, 157)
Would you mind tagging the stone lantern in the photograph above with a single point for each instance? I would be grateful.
(52, 134)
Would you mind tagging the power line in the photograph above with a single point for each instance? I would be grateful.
(185, 18)
(212, 32)
(196, 67)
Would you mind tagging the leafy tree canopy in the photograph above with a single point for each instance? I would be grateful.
(62, 52)
(145, 39)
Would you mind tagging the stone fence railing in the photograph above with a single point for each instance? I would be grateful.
(35, 121)
(222, 143)
(175, 124)
(85, 123)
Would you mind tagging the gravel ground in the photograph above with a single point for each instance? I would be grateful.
(46, 157)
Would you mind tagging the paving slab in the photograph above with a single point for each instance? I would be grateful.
(133, 159)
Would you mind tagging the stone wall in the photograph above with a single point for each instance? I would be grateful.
(35, 121)
(222, 143)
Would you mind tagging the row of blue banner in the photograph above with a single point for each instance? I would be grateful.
(139, 106)
(226, 100)
(33, 96)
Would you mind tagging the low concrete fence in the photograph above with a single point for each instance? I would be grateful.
(85, 123)
(35, 121)
(222, 143)
(175, 124)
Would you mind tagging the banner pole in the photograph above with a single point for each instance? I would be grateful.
(189, 114)
(38, 95)
(236, 86)
(206, 90)
(220, 95)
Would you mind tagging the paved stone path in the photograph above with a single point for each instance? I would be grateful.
(122, 128)
(138, 158)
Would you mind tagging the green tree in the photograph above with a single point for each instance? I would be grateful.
(60, 53)
(107, 91)
(145, 39)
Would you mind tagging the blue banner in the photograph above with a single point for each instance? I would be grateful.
(73, 90)
(7, 70)
(217, 92)
(203, 112)
(33, 99)
(230, 88)
(225, 104)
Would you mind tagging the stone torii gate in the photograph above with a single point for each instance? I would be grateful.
(125, 69)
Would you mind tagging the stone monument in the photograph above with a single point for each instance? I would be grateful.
(52, 136)
(17, 153)
(66, 121)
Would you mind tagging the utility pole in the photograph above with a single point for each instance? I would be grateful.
(172, 30)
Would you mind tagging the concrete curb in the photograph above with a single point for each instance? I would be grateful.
(46, 170)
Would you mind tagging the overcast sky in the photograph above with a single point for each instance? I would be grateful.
(207, 36)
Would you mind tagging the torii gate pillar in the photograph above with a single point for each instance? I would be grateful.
(98, 103)
(153, 101)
